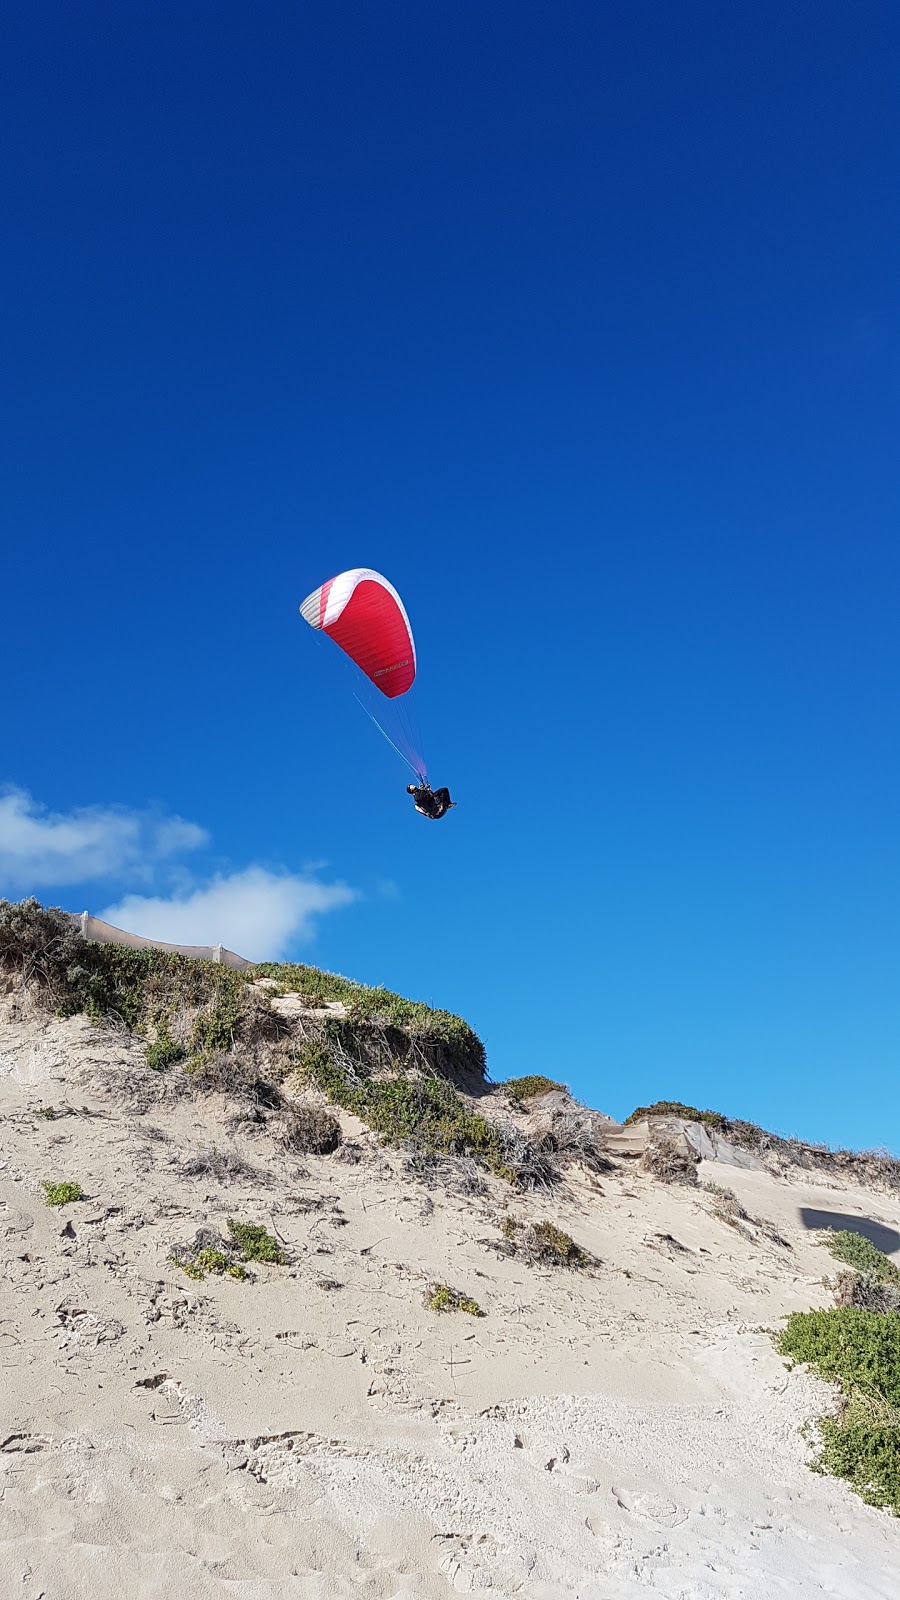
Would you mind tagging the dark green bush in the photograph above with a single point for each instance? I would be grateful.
(860, 1348)
(866, 1452)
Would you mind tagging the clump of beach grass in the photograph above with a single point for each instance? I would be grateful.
(441, 1297)
(543, 1244)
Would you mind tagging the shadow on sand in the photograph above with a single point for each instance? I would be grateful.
(886, 1239)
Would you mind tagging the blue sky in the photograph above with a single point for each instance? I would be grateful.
(581, 323)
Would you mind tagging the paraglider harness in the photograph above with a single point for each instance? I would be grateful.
(433, 803)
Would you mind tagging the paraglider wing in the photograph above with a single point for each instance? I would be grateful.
(364, 614)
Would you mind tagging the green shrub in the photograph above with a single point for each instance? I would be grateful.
(522, 1089)
(859, 1348)
(62, 1194)
(256, 1243)
(866, 1453)
(858, 1252)
(861, 1351)
(550, 1245)
(163, 1053)
(442, 1298)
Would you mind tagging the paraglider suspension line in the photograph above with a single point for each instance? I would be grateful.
(420, 775)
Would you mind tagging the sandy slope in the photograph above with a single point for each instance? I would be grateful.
(320, 1433)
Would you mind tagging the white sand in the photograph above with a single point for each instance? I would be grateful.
(629, 1433)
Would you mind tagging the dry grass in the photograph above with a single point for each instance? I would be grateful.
(456, 1174)
(577, 1135)
(726, 1206)
(670, 1160)
(234, 1073)
(223, 1166)
(863, 1291)
(309, 1130)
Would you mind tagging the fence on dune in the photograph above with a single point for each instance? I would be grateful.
(104, 933)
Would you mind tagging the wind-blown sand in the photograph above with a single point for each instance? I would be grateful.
(318, 1432)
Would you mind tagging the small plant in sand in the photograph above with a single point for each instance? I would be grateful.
(518, 1090)
(543, 1244)
(441, 1297)
(47, 1112)
(215, 1262)
(861, 1351)
(208, 1255)
(62, 1194)
(256, 1243)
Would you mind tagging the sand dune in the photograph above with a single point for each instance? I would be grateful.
(626, 1431)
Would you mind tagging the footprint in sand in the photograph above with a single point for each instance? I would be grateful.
(651, 1508)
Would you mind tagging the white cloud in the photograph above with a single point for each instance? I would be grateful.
(40, 847)
(256, 913)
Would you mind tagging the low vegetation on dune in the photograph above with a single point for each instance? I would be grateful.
(189, 1009)
(62, 1194)
(420, 1113)
(441, 1297)
(209, 1029)
(209, 1254)
(856, 1251)
(460, 1044)
(543, 1244)
(520, 1090)
(870, 1280)
(860, 1351)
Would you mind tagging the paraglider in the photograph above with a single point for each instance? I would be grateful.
(433, 803)
(364, 615)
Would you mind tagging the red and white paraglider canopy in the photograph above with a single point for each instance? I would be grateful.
(364, 614)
